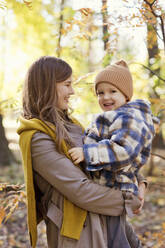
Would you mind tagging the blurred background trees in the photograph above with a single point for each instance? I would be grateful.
(88, 35)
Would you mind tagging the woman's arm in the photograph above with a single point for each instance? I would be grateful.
(62, 174)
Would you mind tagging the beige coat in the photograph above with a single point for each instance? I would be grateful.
(55, 176)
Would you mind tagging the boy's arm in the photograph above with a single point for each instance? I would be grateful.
(142, 180)
(126, 140)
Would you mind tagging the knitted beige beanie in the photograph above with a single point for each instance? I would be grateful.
(118, 75)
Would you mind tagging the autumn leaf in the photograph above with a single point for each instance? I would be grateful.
(2, 4)
(104, 7)
(2, 214)
(85, 11)
(28, 4)
(163, 225)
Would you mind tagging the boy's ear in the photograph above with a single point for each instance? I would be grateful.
(122, 63)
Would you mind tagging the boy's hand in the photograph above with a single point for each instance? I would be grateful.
(76, 154)
(142, 189)
(93, 129)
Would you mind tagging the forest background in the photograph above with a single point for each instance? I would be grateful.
(89, 35)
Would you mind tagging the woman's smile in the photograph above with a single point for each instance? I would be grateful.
(64, 91)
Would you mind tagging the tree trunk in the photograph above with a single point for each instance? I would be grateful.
(105, 24)
(60, 28)
(152, 43)
(153, 53)
(6, 156)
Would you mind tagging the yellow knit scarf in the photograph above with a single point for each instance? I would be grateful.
(73, 216)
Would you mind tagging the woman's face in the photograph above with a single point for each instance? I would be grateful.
(64, 91)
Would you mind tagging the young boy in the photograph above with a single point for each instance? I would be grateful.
(119, 141)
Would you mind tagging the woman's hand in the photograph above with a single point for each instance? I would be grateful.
(142, 189)
(76, 154)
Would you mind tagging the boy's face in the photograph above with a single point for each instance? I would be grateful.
(109, 97)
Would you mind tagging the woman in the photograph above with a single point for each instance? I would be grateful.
(72, 206)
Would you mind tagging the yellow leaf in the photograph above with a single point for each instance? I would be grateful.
(2, 214)
(28, 3)
(8, 216)
(161, 202)
(147, 234)
(63, 31)
(104, 7)
(85, 11)
(163, 225)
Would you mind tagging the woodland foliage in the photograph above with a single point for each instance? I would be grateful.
(88, 39)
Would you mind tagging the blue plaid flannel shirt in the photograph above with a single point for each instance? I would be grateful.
(118, 144)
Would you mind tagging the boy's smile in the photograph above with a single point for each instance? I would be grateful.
(109, 97)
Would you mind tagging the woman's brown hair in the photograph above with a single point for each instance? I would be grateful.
(40, 96)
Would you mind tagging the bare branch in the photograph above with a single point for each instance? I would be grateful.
(162, 28)
(157, 155)
(154, 73)
(154, 27)
(151, 7)
(157, 16)
(83, 77)
(8, 188)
